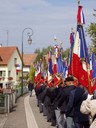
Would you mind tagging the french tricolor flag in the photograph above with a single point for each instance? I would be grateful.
(80, 66)
(72, 38)
(55, 70)
(50, 62)
(37, 74)
(80, 16)
(56, 51)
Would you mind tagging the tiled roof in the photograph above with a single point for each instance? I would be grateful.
(6, 53)
(28, 59)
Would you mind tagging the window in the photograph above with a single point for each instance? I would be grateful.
(2, 73)
(15, 61)
(9, 73)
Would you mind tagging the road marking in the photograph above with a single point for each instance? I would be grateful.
(31, 122)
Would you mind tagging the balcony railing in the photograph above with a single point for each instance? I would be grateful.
(10, 78)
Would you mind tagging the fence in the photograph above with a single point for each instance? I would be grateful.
(9, 97)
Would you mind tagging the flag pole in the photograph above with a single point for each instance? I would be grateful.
(87, 67)
(71, 53)
(88, 70)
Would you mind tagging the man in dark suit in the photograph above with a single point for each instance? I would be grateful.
(73, 107)
(63, 100)
(30, 87)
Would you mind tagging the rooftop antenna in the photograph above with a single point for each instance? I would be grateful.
(7, 37)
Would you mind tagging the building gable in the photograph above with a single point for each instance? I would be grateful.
(6, 54)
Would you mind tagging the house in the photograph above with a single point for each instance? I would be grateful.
(10, 65)
(28, 60)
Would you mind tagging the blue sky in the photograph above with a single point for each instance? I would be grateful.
(47, 18)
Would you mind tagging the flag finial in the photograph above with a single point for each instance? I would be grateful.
(72, 29)
(55, 39)
(78, 2)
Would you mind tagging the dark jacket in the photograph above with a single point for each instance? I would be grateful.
(73, 107)
(70, 109)
(57, 97)
(39, 92)
(65, 97)
(50, 96)
(80, 95)
(30, 86)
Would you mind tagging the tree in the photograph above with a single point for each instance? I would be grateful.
(65, 53)
(45, 65)
(37, 51)
(39, 56)
(32, 73)
(91, 31)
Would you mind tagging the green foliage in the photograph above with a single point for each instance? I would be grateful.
(20, 84)
(44, 51)
(27, 76)
(37, 51)
(32, 73)
(91, 30)
(65, 53)
(39, 55)
(45, 66)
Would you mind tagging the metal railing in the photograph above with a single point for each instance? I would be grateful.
(8, 100)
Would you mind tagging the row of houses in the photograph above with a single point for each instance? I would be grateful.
(11, 65)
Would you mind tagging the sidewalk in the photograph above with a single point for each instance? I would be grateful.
(25, 115)
(3, 118)
(17, 118)
(40, 119)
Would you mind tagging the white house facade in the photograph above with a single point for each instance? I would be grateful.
(10, 66)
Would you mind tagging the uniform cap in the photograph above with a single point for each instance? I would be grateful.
(69, 78)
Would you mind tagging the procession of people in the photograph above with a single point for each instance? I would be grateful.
(67, 94)
(64, 104)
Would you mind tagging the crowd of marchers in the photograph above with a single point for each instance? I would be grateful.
(67, 105)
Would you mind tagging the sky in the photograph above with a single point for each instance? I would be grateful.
(47, 19)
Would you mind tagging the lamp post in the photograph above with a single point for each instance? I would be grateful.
(29, 34)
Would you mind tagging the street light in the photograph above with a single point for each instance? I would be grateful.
(29, 34)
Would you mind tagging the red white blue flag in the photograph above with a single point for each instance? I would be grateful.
(80, 64)
(56, 51)
(55, 70)
(72, 44)
(50, 62)
(80, 16)
(72, 38)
